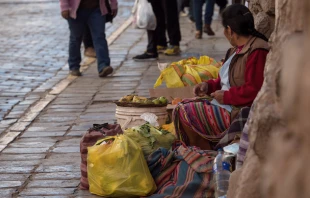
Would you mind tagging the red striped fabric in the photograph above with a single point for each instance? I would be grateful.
(89, 139)
(183, 172)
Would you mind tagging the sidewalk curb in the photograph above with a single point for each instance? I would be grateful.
(16, 129)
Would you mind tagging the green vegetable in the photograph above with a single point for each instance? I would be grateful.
(150, 138)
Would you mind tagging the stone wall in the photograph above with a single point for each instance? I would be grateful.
(264, 15)
(286, 172)
(276, 164)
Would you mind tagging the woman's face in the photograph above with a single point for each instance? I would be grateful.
(230, 35)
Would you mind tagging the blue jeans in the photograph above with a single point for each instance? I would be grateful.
(96, 23)
(198, 4)
(191, 10)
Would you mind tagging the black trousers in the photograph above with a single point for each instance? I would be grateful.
(167, 16)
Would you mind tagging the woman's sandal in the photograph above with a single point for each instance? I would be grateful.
(198, 35)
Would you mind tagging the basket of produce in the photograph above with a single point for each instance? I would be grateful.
(129, 109)
(138, 101)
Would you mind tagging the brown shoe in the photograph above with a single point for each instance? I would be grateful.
(198, 35)
(106, 71)
(90, 52)
(207, 29)
(75, 72)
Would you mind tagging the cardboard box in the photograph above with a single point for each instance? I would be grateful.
(169, 93)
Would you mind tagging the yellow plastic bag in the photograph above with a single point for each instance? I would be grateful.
(171, 77)
(116, 168)
(189, 72)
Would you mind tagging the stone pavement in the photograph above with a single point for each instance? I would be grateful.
(43, 161)
(34, 48)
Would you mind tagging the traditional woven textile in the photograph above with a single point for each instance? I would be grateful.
(183, 172)
(243, 144)
(209, 121)
(233, 133)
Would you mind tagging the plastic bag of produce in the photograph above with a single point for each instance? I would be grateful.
(150, 138)
(189, 72)
(116, 168)
(143, 15)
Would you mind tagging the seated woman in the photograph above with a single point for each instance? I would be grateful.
(202, 121)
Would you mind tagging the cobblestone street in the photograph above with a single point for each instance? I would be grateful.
(39, 147)
(34, 40)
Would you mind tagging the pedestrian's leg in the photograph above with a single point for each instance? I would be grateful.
(191, 10)
(88, 43)
(151, 52)
(96, 23)
(157, 37)
(222, 4)
(208, 17)
(185, 3)
(173, 27)
(76, 27)
(152, 40)
(180, 6)
(198, 17)
(87, 39)
(159, 10)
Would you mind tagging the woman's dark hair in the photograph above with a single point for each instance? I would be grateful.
(241, 21)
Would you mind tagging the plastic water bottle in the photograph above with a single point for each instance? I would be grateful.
(221, 171)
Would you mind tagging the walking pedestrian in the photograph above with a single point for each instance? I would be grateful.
(167, 16)
(198, 4)
(83, 13)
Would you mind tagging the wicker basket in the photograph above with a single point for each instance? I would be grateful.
(134, 104)
(129, 116)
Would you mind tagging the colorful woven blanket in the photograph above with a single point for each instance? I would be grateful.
(183, 172)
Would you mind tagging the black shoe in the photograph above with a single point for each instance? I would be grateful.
(146, 57)
(106, 71)
(75, 72)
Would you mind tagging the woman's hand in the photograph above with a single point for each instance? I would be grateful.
(114, 12)
(65, 14)
(218, 96)
(201, 89)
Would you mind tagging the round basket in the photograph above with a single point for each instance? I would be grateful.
(134, 104)
(129, 117)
